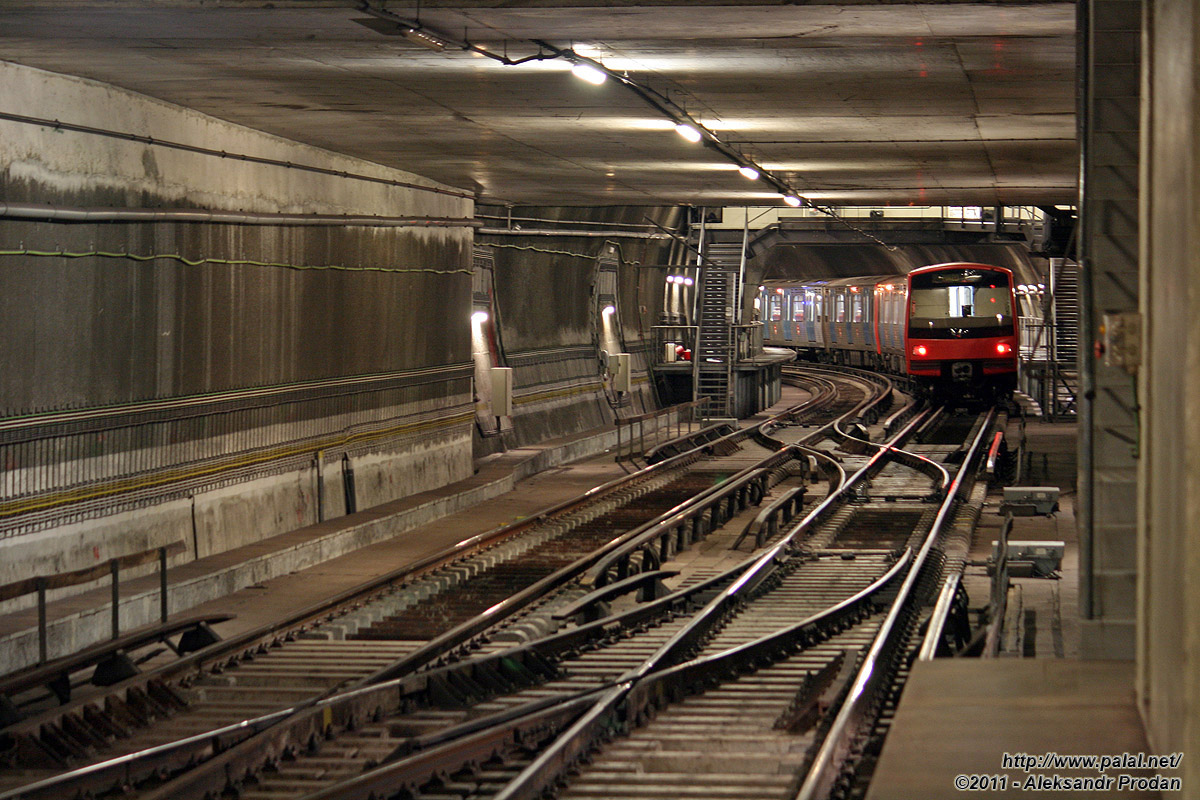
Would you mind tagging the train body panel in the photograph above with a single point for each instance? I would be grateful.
(950, 327)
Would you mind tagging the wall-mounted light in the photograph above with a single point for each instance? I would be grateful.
(609, 311)
(792, 200)
(589, 73)
(479, 317)
(688, 281)
(749, 172)
(688, 132)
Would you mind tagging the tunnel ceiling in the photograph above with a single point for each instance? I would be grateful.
(852, 103)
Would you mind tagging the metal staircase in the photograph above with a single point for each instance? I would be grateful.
(1066, 312)
(716, 314)
(1065, 299)
(1050, 362)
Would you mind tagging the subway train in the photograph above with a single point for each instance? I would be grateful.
(950, 328)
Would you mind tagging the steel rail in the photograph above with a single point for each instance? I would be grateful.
(652, 683)
(300, 620)
(571, 745)
(393, 674)
(932, 643)
(222, 738)
(344, 707)
(663, 528)
(783, 508)
(835, 749)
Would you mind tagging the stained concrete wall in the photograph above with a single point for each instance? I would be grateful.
(550, 329)
(1168, 649)
(349, 339)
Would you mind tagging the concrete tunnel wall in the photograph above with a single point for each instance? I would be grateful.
(371, 361)
(549, 321)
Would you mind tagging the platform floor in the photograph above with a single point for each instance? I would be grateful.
(960, 716)
(1043, 613)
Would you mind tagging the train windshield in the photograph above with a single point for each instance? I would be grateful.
(960, 304)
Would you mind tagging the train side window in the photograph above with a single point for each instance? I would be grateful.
(798, 307)
(775, 307)
(856, 308)
(839, 307)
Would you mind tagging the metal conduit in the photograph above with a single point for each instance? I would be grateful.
(586, 234)
(46, 211)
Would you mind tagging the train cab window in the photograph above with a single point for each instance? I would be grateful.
(775, 307)
(798, 301)
(839, 307)
(856, 308)
(960, 303)
(818, 307)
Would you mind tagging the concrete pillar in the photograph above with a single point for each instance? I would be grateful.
(1168, 649)
(1110, 34)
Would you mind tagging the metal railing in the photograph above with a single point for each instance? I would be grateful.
(666, 424)
(80, 463)
(112, 567)
(747, 341)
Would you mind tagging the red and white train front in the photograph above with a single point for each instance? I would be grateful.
(961, 328)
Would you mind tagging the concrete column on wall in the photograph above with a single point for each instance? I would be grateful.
(1109, 37)
(1169, 481)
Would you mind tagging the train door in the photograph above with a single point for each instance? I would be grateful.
(858, 317)
(820, 323)
(789, 300)
(810, 315)
(797, 314)
(876, 320)
(774, 314)
(837, 333)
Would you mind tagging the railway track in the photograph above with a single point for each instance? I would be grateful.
(731, 701)
(394, 627)
(460, 754)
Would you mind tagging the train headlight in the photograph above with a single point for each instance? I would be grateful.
(1003, 349)
(920, 350)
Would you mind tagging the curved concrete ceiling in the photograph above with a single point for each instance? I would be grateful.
(955, 103)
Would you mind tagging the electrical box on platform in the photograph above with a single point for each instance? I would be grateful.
(622, 372)
(502, 384)
(1030, 501)
(1031, 559)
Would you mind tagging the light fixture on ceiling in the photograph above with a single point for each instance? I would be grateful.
(587, 72)
(423, 38)
(479, 317)
(688, 132)
(592, 73)
(583, 65)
